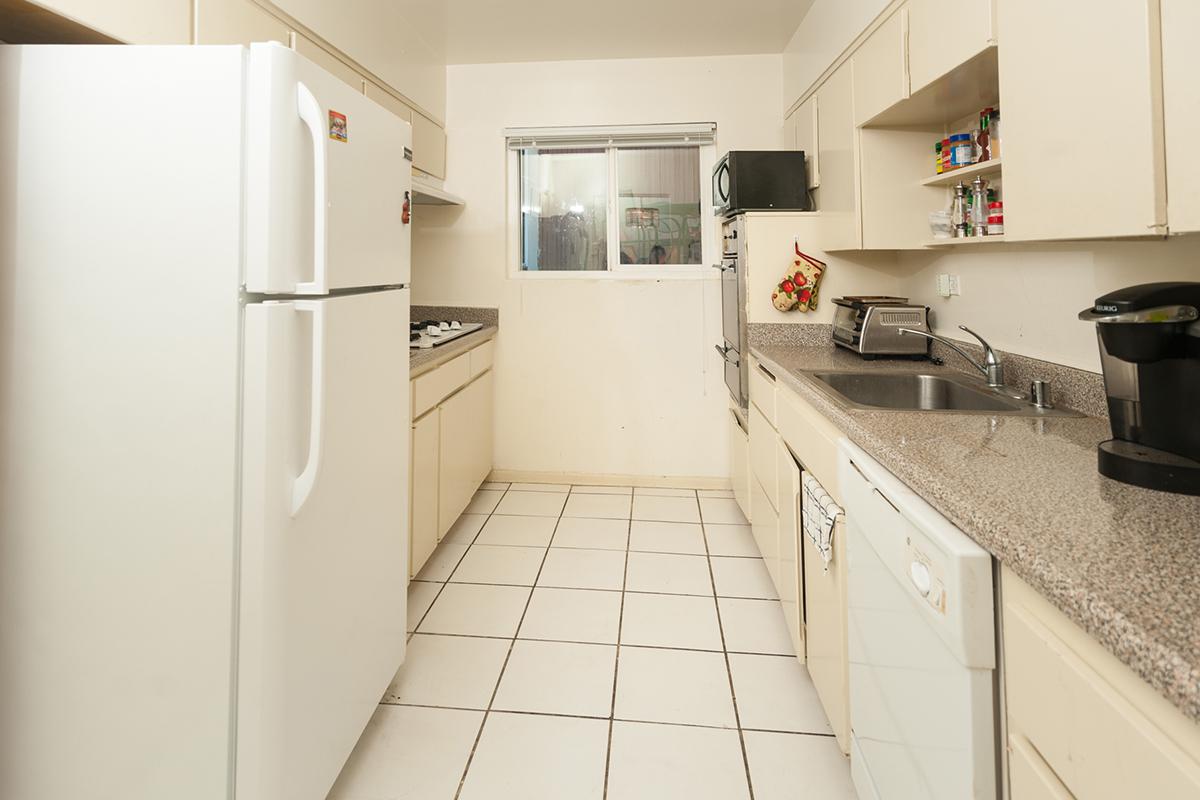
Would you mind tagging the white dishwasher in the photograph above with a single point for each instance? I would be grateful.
(921, 643)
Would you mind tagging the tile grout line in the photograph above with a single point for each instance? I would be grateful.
(728, 667)
(612, 708)
(462, 782)
(449, 575)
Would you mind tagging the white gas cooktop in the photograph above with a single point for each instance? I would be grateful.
(431, 333)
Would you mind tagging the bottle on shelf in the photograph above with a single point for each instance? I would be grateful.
(958, 211)
(983, 144)
(937, 158)
(962, 150)
(994, 132)
(979, 212)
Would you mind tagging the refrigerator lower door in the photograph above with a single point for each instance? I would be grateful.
(327, 181)
(324, 530)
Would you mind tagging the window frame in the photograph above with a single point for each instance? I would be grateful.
(707, 158)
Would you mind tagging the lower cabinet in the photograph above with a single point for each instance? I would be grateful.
(825, 631)
(451, 446)
(425, 445)
(1081, 724)
(791, 578)
(465, 445)
(739, 462)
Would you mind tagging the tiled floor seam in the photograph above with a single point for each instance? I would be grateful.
(444, 583)
(512, 643)
(728, 667)
(612, 707)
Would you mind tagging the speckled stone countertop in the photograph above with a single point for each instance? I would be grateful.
(1123, 562)
(423, 360)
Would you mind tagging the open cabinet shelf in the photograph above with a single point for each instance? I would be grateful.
(964, 174)
(968, 242)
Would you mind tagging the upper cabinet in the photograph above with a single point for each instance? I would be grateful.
(943, 35)
(429, 146)
(237, 22)
(327, 61)
(881, 68)
(1181, 108)
(837, 146)
(132, 21)
(1082, 134)
(801, 133)
(379, 39)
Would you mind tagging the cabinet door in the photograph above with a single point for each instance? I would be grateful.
(424, 482)
(429, 146)
(791, 578)
(387, 100)
(765, 528)
(465, 447)
(739, 463)
(1086, 162)
(327, 61)
(837, 143)
(881, 68)
(803, 124)
(1029, 776)
(942, 36)
(1181, 103)
(131, 21)
(236, 22)
(825, 631)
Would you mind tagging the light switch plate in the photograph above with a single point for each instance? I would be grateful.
(948, 285)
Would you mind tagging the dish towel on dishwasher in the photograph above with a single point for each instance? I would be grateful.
(819, 515)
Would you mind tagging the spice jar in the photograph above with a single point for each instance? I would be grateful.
(962, 150)
(995, 220)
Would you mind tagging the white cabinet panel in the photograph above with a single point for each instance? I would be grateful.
(465, 447)
(1054, 141)
(237, 22)
(429, 146)
(739, 469)
(837, 142)
(1029, 776)
(425, 443)
(762, 454)
(825, 631)
(943, 35)
(791, 579)
(1181, 102)
(132, 21)
(386, 99)
(327, 61)
(765, 527)
(802, 124)
(881, 68)
(429, 389)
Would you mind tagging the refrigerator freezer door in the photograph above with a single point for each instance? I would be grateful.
(324, 544)
(327, 180)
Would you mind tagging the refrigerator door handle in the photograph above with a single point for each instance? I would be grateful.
(303, 485)
(310, 112)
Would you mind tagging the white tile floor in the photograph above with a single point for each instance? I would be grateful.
(597, 642)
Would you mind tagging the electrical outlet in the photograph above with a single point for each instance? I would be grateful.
(955, 285)
(943, 285)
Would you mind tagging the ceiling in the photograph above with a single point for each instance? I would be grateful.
(490, 31)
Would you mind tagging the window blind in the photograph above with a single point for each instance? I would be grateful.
(692, 133)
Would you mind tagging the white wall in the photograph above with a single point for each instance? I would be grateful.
(827, 29)
(1025, 298)
(593, 375)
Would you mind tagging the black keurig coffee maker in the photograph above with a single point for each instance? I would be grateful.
(1150, 353)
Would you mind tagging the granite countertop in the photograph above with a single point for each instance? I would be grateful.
(423, 360)
(1123, 562)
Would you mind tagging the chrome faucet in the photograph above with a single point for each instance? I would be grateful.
(991, 367)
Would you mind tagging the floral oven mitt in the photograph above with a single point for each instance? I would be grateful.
(798, 289)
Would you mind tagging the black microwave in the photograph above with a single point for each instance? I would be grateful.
(760, 180)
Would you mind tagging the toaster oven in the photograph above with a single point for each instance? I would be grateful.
(870, 326)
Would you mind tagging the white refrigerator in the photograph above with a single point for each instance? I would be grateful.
(204, 421)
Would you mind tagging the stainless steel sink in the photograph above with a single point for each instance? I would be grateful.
(910, 391)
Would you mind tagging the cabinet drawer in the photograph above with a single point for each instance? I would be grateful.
(812, 437)
(481, 358)
(1102, 730)
(431, 388)
(763, 462)
(762, 390)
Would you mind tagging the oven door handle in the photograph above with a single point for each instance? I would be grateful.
(725, 267)
(724, 351)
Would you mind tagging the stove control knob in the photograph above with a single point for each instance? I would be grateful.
(433, 330)
(456, 326)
